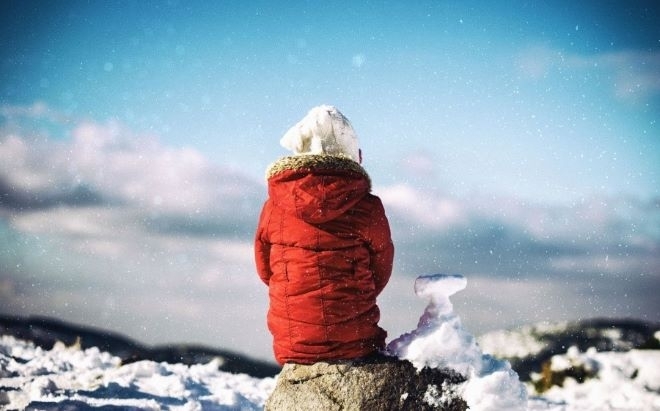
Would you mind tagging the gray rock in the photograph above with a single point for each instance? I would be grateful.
(382, 383)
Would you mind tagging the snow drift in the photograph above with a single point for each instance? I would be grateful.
(441, 341)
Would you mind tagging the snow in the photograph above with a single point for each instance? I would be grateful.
(441, 341)
(67, 376)
(516, 344)
(626, 381)
(71, 378)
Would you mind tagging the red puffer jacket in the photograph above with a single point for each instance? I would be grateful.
(324, 249)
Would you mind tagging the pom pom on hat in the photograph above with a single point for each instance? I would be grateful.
(324, 130)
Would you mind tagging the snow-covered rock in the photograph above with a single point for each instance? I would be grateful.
(530, 347)
(611, 380)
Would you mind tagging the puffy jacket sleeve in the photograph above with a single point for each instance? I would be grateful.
(262, 246)
(382, 248)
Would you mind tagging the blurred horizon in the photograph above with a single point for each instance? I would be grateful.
(517, 144)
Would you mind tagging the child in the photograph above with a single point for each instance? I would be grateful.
(323, 245)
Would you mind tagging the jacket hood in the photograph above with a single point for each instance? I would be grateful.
(317, 188)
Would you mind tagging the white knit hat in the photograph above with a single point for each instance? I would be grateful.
(324, 130)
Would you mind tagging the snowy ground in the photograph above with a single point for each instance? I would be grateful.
(70, 378)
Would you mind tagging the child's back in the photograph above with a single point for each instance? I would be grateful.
(323, 247)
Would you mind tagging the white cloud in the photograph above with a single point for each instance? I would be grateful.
(164, 254)
(358, 60)
(419, 164)
(536, 62)
(633, 74)
(121, 167)
(115, 229)
(506, 236)
(422, 209)
(636, 73)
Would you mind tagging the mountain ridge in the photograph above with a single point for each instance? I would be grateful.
(529, 347)
(45, 331)
(534, 344)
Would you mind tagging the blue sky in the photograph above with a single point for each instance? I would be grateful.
(515, 142)
(483, 91)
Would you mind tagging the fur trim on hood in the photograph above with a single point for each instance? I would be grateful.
(315, 162)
